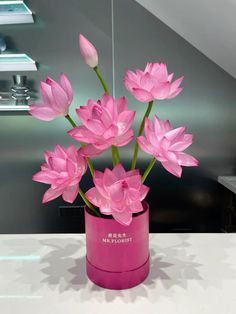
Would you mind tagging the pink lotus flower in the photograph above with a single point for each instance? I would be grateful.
(57, 98)
(152, 83)
(105, 123)
(63, 170)
(167, 144)
(88, 52)
(118, 193)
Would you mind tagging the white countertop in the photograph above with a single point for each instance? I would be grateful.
(229, 182)
(190, 274)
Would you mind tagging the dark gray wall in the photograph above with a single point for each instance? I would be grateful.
(206, 106)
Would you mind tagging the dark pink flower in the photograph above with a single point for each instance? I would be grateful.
(63, 169)
(152, 83)
(167, 144)
(118, 193)
(105, 123)
(56, 97)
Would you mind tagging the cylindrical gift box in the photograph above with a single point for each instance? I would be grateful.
(117, 256)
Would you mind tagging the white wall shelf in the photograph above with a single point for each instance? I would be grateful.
(13, 108)
(17, 62)
(15, 12)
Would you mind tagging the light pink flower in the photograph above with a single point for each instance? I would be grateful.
(105, 123)
(88, 52)
(152, 83)
(63, 170)
(167, 144)
(118, 193)
(57, 98)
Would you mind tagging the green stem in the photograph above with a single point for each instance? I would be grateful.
(114, 149)
(101, 80)
(68, 117)
(90, 206)
(81, 193)
(115, 155)
(149, 168)
(90, 166)
(149, 108)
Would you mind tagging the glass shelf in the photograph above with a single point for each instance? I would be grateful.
(17, 62)
(8, 105)
(15, 12)
(13, 110)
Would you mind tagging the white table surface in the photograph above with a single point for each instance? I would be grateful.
(190, 274)
(229, 182)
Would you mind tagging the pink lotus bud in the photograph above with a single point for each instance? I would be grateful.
(88, 52)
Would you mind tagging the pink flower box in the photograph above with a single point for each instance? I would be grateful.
(117, 255)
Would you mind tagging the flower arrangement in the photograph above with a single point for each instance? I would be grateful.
(106, 124)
